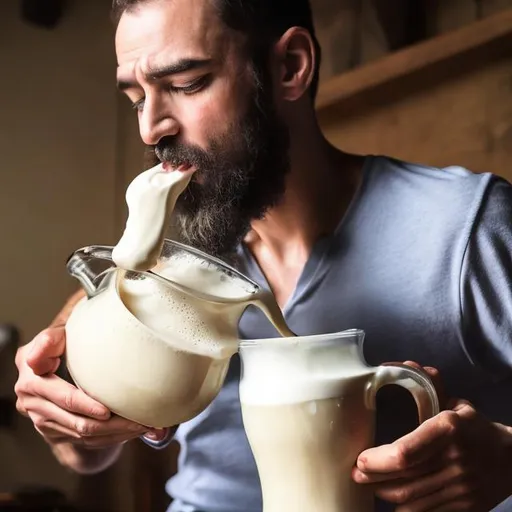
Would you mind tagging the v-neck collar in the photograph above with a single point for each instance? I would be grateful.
(318, 254)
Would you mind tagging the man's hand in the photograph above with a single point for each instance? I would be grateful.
(456, 461)
(62, 413)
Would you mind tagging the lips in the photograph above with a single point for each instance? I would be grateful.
(168, 167)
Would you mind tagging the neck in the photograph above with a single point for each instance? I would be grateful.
(319, 187)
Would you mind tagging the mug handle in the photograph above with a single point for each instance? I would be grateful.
(417, 382)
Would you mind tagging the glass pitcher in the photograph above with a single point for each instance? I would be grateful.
(308, 407)
(151, 349)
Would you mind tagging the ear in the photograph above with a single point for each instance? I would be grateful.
(296, 61)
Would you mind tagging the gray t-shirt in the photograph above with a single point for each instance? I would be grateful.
(422, 262)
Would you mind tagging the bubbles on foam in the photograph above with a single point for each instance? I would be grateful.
(295, 374)
(182, 321)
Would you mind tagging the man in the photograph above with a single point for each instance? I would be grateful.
(419, 258)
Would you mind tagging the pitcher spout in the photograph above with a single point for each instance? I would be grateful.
(89, 265)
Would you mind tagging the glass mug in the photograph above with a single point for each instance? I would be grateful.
(308, 408)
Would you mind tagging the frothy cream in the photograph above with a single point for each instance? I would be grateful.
(295, 371)
(151, 198)
(182, 320)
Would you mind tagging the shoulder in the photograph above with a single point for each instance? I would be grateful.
(486, 280)
(454, 174)
(489, 244)
(497, 203)
(450, 188)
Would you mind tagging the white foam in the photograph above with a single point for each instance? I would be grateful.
(284, 372)
(151, 198)
(184, 321)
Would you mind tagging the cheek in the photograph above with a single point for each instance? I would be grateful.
(212, 113)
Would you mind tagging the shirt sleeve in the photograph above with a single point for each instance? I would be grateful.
(486, 283)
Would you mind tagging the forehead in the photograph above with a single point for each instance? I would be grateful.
(166, 30)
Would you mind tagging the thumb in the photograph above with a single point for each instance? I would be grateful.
(47, 349)
(157, 434)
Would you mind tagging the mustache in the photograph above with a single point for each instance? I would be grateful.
(176, 154)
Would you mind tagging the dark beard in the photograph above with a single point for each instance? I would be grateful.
(239, 177)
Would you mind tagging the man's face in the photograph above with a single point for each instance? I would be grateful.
(201, 102)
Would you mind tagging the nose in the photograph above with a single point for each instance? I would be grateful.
(156, 121)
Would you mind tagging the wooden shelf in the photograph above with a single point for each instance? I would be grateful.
(415, 58)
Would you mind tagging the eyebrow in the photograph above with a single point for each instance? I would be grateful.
(180, 66)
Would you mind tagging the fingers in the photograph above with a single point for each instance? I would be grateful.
(443, 499)
(42, 357)
(20, 408)
(428, 490)
(80, 426)
(157, 434)
(458, 505)
(55, 435)
(66, 396)
(414, 448)
(59, 426)
(46, 350)
(416, 472)
(107, 441)
(51, 430)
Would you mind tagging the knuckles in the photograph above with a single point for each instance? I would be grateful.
(85, 428)
(23, 388)
(450, 423)
(20, 408)
(39, 423)
(401, 457)
(401, 495)
(69, 399)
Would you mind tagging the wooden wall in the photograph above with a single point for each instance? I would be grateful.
(430, 104)
(353, 33)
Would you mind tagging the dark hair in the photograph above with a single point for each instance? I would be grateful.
(264, 22)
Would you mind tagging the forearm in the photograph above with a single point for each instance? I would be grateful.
(84, 460)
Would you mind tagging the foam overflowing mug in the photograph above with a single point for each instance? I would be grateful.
(154, 346)
(308, 407)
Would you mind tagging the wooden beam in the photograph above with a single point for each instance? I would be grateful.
(415, 58)
(489, 7)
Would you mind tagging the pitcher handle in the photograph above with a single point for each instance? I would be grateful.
(417, 382)
(78, 265)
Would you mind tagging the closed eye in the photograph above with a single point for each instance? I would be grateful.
(193, 87)
(139, 104)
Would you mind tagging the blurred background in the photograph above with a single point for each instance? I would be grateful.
(423, 80)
